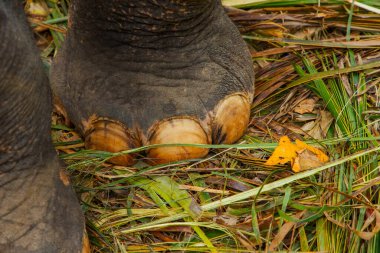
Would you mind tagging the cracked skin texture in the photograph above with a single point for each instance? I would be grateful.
(38, 212)
(144, 63)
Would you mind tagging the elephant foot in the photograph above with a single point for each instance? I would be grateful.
(139, 73)
(39, 212)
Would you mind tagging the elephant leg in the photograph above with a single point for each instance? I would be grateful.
(135, 73)
(38, 208)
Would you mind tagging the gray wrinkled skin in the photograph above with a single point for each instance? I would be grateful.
(37, 212)
(141, 65)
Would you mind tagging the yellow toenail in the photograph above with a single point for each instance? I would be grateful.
(231, 119)
(183, 130)
(112, 136)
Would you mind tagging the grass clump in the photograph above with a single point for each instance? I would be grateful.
(317, 78)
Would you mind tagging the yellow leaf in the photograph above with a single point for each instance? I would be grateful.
(296, 165)
(300, 155)
(285, 152)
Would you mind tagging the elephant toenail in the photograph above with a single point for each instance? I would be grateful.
(112, 136)
(178, 130)
(231, 118)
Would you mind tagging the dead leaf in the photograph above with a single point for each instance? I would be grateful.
(318, 129)
(274, 32)
(344, 78)
(319, 153)
(362, 234)
(369, 235)
(283, 231)
(305, 106)
(306, 160)
(308, 126)
(163, 237)
(246, 242)
(226, 219)
(326, 120)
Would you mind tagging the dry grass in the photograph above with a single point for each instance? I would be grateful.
(317, 78)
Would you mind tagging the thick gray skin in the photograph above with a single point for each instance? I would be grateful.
(136, 65)
(144, 61)
(38, 213)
